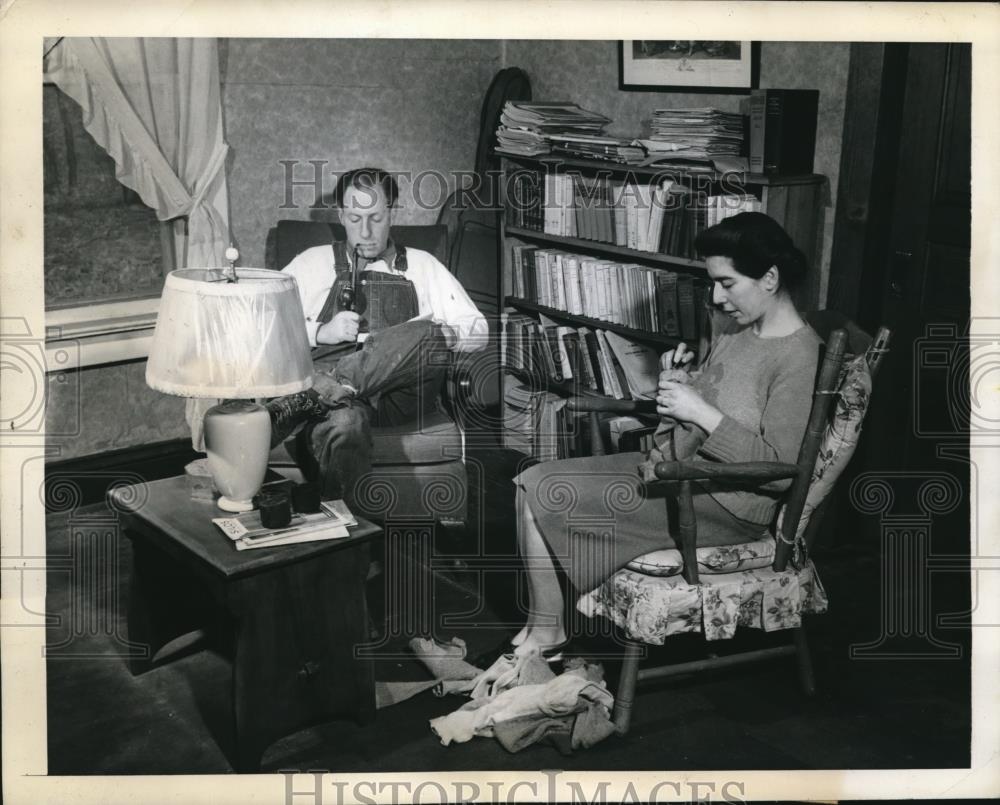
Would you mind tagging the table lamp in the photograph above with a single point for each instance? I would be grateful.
(237, 334)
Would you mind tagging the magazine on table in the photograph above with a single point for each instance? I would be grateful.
(245, 530)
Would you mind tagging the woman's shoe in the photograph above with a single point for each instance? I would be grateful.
(553, 654)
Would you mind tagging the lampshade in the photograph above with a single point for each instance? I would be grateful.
(236, 340)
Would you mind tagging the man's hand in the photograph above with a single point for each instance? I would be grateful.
(342, 327)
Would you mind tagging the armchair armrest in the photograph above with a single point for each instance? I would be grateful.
(593, 404)
(748, 471)
(587, 404)
(684, 472)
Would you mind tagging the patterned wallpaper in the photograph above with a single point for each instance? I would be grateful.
(587, 73)
(405, 105)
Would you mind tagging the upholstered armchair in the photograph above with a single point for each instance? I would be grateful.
(418, 472)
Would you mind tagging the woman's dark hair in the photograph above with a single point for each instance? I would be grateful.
(754, 242)
(366, 179)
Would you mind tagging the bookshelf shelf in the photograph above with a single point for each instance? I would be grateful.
(656, 291)
(570, 389)
(608, 249)
(524, 305)
(663, 171)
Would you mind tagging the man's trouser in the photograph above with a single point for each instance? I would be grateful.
(397, 376)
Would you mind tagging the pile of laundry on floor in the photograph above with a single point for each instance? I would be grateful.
(517, 700)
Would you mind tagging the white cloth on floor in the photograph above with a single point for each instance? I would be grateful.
(501, 694)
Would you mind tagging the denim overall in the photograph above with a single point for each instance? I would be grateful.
(397, 374)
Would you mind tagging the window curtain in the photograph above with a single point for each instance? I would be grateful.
(154, 105)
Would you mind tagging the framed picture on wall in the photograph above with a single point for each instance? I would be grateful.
(688, 65)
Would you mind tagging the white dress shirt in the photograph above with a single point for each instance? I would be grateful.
(439, 295)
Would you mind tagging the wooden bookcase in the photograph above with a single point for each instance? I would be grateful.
(793, 201)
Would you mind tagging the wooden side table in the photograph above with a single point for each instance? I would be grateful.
(299, 611)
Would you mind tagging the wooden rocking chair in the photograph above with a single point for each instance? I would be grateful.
(766, 584)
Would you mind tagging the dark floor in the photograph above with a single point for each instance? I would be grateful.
(888, 713)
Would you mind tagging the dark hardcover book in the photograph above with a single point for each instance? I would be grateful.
(528, 271)
(531, 274)
(535, 199)
(783, 130)
(593, 350)
(686, 308)
(695, 222)
(666, 287)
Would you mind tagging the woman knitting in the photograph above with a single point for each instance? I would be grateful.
(748, 401)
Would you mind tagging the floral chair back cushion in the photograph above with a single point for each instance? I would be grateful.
(840, 438)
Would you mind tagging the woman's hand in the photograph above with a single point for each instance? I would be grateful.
(675, 364)
(683, 403)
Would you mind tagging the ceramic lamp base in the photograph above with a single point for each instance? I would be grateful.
(238, 442)
(228, 505)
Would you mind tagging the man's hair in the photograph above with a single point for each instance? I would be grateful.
(366, 179)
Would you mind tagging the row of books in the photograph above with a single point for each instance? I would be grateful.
(652, 300)
(593, 359)
(537, 423)
(663, 218)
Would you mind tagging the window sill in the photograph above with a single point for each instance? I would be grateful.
(79, 337)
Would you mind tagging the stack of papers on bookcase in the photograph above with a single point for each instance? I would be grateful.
(551, 116)
(701, 133)
(609, 149)
(525, 126)
(246, 532)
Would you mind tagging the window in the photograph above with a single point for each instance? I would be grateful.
(105, 253)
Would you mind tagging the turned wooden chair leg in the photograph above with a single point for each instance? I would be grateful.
(622, 715)
(806, 678)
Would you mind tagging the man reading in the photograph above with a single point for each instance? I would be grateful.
(417, 311)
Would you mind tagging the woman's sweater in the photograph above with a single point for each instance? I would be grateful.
(764, 389)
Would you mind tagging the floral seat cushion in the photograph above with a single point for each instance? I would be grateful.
(652, 608)
(650, 601)
(720, 559)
